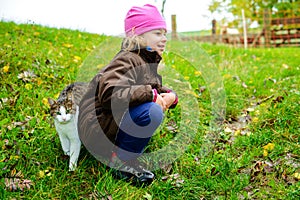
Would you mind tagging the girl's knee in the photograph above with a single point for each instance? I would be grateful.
(156, 113)
(148, 113)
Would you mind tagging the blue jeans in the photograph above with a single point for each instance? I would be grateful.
(136, 128)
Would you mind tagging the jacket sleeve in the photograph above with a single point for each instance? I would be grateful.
(118, 88)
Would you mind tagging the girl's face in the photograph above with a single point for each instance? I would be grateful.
(156, 40)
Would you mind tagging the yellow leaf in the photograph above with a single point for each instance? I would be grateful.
(198, 73)
(186, 78)
(68, 45)
(237, 133)
(45, 102)
(5, 68)
(41, 174)
(297, 175)
(39, 81)
(269, 147)
(36, 33)
(49, 174)
(7, 45)
(227, 76)
(265, 153)
(100, 66)
(213, 84)
(56, 96)
(255, 119)
(28, 86)
(14, 157)
(77, 58)
(192, 93)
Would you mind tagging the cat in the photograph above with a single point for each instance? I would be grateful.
(65, 112)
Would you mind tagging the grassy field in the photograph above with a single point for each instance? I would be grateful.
(255, 153)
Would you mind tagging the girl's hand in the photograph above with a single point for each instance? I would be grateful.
(169, 98)
(160, 101)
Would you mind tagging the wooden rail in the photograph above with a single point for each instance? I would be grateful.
(275, 32)
(285, 31)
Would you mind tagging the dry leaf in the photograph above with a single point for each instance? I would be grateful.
(175, 179)
(27, 76)
(244, 85)
(15, 184)
(228, 130)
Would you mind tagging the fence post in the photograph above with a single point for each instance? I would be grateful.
(267, 27)
(245, 30)
(213, 30)
(174, 28)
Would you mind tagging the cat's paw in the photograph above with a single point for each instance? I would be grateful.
(72, 167)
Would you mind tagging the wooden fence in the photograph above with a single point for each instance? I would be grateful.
(272, 32)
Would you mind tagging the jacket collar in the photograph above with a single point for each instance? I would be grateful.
(148, 56)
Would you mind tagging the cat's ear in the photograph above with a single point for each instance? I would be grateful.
(51, 101)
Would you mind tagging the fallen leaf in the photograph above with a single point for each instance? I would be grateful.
(285, 66)
(175, 179)
(265, 153)
(237, 133)
(228, 130)
(237, 78)
(28, 86)
(77, 58)
(15, 184)
(27, 76)
(244, 85)
(269, 146)
(147, 196)
(278, 99)
(41, 174)
(250, 109)
(67, 45)
(297, 176)
(198, 73)
(5, 69)
(255, 119)
(45, 102)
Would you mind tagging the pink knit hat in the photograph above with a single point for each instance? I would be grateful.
(143, 19)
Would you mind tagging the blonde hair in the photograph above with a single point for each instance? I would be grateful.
(133, 42)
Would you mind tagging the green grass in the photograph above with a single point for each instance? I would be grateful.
(260, 160)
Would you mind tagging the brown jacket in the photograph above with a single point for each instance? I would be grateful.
(127, 81)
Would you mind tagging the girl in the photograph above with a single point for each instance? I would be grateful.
(125, 101)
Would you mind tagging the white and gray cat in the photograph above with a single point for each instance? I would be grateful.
(65, 112)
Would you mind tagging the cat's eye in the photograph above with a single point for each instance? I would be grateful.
(58, 113)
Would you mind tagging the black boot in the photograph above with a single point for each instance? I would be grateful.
(131, 171)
